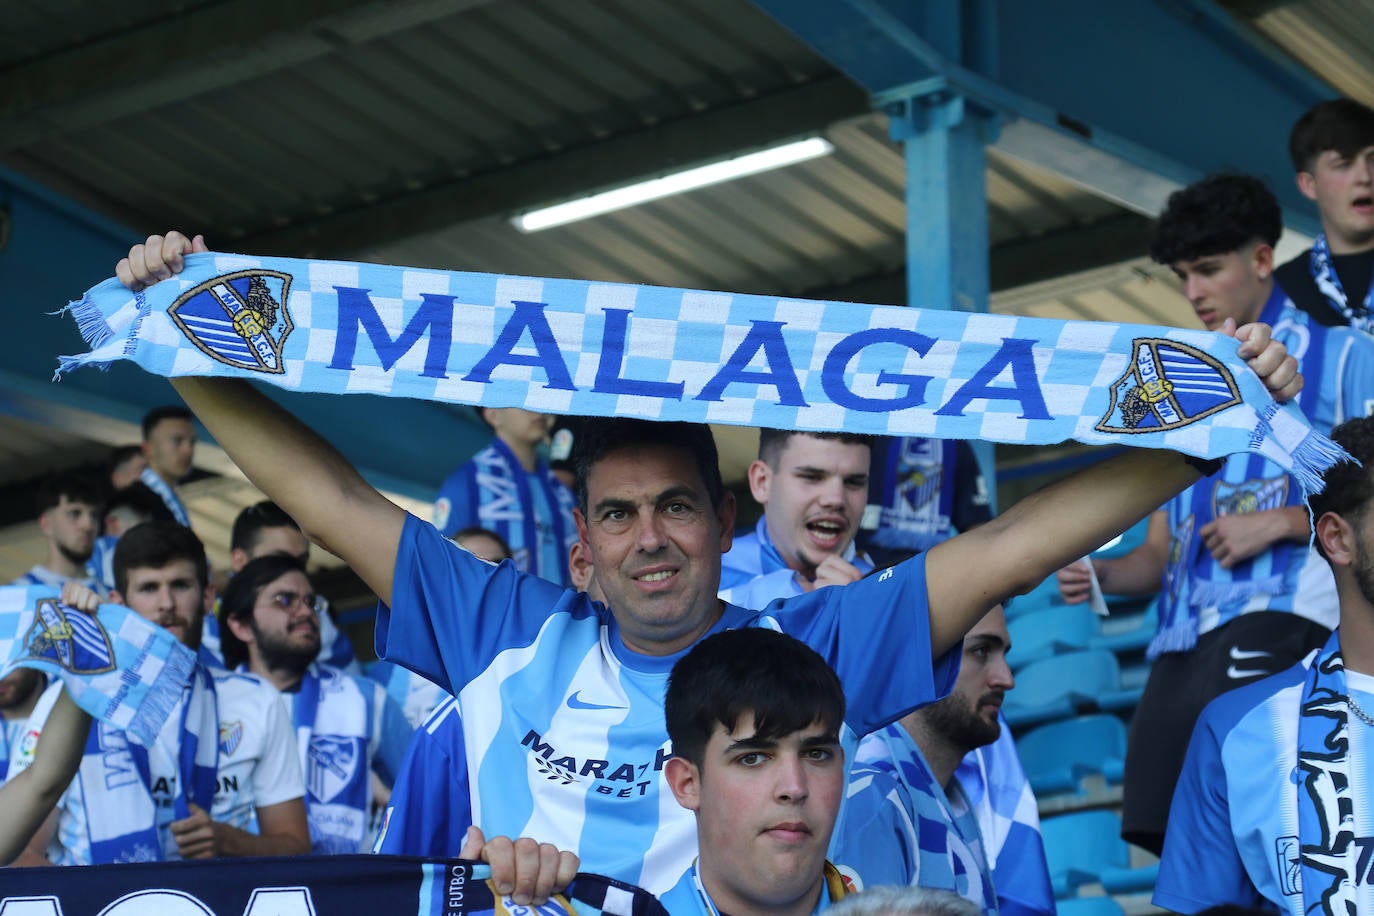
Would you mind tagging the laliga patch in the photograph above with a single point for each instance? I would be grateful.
(68, 638)
(1168, 385)
(239, 319)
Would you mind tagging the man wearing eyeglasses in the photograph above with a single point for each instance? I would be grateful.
(222, 779)
(347, 727)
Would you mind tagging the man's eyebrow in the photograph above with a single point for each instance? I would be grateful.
(752, 743)
(612, 503)
(986, 639)
(821, 740)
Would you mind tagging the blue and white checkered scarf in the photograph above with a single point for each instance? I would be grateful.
(117, 666)
(605, 349)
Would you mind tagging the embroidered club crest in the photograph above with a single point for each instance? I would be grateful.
(330, 765)
(239, 318)
(230, 734)
(1168, 385)
(1251, 496)
(68, 638)
(1175, 573)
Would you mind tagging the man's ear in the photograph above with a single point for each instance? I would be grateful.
(238, 558)
(1337, 539)
(1307, 184)
(685, 780)
(45, 523)
(240, 628)
(725, 515)
(117, 598)
(207, 599)
(1262, 258)
(581, 521)
(760, 477)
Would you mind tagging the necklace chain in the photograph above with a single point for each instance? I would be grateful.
(1364, 717)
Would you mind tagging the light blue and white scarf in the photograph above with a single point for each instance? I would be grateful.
(605, 349)
(117, 666)
(121, 813)
(333, 718)
(168, 496)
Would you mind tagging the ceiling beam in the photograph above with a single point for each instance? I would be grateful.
(622, 159)
(1019, 263)
(181, 56)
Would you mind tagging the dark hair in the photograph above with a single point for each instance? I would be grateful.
(773, 441)
(154, 545)
(1348, 489)
(120, 456)
(249, 524)
(78, 488)
(781, 681)
(139, 497)
(155, 416)
(599, 436)
(1217, 215)
(1343, 125)
(241, 596)
(478, 531)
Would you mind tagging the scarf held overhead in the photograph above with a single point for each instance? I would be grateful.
(606, 349)
(120, 668)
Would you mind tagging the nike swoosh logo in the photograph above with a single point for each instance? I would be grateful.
(1236, 674)
(1241, 655)
(576, 702)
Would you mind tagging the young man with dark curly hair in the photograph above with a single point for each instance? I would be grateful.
(1241, 595)
(1332, 146)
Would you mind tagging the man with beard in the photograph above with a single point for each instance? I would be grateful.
(907, 819)
(69, 509)
(222, 779)
(169, 444)
(812, 487)
(347, 726)
(1274, 804)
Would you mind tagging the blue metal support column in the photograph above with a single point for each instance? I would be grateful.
(944, 140)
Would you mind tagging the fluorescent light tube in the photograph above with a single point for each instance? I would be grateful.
(676, 183)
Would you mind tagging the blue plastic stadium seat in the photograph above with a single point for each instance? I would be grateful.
(1089, 906)
(1127, 631)
(1085, 848)
(1051, 631)
(1043, 596)
(1061, 686)
(1057, 756)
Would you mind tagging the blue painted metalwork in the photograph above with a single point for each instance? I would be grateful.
(57, 250)
(1175, 88)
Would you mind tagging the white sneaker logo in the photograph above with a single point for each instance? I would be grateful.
(1241, 655)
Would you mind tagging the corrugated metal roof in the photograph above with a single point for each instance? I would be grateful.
(1332, 38)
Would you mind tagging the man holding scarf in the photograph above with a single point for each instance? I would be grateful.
(561, 696)
(1241, 595)
(222, 779)
(1276, 804)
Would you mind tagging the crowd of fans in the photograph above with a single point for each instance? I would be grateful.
(531, 632)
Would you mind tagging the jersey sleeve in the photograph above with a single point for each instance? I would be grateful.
(1199, 831)
(277, 777)
(392, 736)
(430, 809)
(453, 509)
(875, 837)
(875, 633)
(451, 613)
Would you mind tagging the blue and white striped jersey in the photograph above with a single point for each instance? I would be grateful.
(563, 726)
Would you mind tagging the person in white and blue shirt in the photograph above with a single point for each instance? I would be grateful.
(508, 488)
(222, 779)
(347, 728)
(812, 487)
(910, 817)
(1275, 805)
(69, 509)
(755, 719)
(1241, 594)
